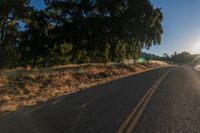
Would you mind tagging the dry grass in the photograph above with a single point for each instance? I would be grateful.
(22, 87)
(162, 63)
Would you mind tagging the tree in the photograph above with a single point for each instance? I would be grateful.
(166, 56)
(11, 14)
(90, 25)
(183, 58)
(36, 42)
(77, 31)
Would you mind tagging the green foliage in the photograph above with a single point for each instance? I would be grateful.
(80, 31)
(10, 16)
(120, 52)
(183, 58)
(105, 54)
(59, 54)
(81, 57)
(149, 56)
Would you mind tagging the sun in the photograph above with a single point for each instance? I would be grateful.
(196, 48)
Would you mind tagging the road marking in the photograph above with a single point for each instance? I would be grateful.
(56, 101)
(130, 123)
(86, 104)
(83, 106)
(34, 109)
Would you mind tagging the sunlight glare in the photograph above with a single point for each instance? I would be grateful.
(196, 48)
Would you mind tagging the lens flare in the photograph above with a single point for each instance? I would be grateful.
(196, 48)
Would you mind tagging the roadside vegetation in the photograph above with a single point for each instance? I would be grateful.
(183, 58)
(43, 53)
(76, 31)
(22, 87)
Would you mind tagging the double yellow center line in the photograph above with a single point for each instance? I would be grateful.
(130, 123)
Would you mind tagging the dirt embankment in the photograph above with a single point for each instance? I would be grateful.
(20, 88)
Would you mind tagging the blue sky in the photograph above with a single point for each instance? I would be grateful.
(181, 25)
(38, 4)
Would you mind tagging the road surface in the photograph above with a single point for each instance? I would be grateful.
(164, 100)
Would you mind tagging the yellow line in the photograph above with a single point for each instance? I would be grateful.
(143, 106)
(130, 123)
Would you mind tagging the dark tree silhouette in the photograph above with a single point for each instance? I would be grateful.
(78, 31)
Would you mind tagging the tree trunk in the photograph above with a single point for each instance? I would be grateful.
(34, 61)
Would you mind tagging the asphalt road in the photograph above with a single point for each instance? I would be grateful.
(173, 106)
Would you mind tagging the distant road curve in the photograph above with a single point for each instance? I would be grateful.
(163, 100)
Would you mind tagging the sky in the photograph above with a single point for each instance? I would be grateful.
(181, 25)
(38, 4)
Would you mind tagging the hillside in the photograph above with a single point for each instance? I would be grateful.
(22, 87)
